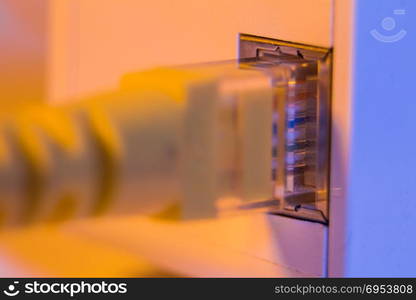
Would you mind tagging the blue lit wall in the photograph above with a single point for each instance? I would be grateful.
(381, 203)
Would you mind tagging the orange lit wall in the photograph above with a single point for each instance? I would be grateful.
(23, 50)
(94, 42)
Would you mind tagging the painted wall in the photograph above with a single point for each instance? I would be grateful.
(95, 42)
(23, 50)
(373, 208)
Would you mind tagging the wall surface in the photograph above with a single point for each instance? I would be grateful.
(23, 50)
(95, 42)
(373, 208)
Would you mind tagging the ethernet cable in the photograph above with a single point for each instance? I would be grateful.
(201, 137)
